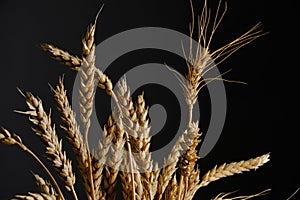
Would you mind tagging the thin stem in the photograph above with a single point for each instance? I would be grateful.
(22, 146)
(74, 193)
(191, 106)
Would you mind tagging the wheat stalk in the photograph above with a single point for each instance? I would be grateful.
(226, 170)
(47, 132)
(224, 196)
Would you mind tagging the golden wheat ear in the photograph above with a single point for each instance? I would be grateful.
(74, 136)
(62, 56)
(46, 131)
(233, 168)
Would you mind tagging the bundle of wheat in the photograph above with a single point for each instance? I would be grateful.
(127, 130)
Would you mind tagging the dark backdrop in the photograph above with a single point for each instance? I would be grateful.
(254, 111)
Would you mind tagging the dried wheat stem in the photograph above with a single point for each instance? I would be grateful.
(9, 139)
(47, 132)
(224, 196)
(294, 193)
(62, 56)
(44, 186)
(233, 168)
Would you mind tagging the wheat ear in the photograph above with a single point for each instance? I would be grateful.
(203, 60)
(114, 160)
(166, 173)
(62, 56)
(70, 126)
(142, 144)
(122, 124)
(13, 139)
(34, 196)
(75, 63)
(47, 132)
(187, 161)
(233, 168)
(87, 91)
(172, 190)
(99, 159)
(45, 186)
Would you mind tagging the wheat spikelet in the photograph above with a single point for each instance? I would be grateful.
(233, 168)
(9, 139)
(45, 187)
(62, 56)
(47, 132)
(34, 196)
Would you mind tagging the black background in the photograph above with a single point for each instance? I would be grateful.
(254, 111)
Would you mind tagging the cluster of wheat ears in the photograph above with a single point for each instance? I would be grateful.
(127, 130)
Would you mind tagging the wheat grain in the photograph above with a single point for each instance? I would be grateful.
(226, 170)
(47, 132)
